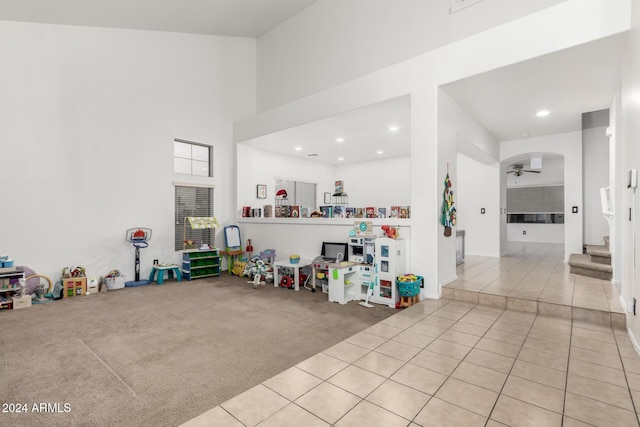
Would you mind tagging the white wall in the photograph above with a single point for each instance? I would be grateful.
(261, 167)
(595, 166)
(630, 159)
(87, 122)
(381, 183)
(377, 183)
(478, 187)
(552, 173)
(447, 126)
(617, 183)
(318, 48)
(568, 145)
(543, 233)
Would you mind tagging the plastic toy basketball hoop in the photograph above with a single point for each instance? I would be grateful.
(139, 237)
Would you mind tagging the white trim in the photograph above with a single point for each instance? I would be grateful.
(624, 305)
(193, 184)
(636, 347)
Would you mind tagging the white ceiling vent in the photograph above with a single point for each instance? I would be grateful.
(458, 5)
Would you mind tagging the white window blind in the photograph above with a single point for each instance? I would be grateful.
(548, 199)
(299, 193)
(192, 201)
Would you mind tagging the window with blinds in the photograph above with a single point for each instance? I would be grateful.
(548, 199)
(299, 193)
(192, 201)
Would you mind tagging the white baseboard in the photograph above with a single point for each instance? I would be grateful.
(633, 340)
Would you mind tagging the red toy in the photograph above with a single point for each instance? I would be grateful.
(390, 231)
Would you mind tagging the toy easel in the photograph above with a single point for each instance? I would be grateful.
(233, 247)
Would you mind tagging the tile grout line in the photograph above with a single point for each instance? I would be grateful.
(510, 370)
(626, 378)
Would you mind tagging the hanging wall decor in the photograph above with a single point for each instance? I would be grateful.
(448, 206)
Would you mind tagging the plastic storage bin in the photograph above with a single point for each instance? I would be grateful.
(114, 283)
(409, 289)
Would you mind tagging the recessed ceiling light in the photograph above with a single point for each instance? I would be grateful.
(542, 113)
(340, 158)
(339, 139)
(298, 148)
(525, 134)
(379, 152)
(393, 128)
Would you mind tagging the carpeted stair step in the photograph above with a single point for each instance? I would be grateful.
(599, 254)
(582, 264)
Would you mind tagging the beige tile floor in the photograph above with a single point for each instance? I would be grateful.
(534, 277)
(455, 363)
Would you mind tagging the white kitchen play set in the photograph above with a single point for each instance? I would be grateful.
(368, 268)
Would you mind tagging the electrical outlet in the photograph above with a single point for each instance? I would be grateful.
(524, 232)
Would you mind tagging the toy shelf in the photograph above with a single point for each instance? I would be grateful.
(197, 263)
(6, 274)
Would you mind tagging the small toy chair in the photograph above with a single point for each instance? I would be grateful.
(233, 246)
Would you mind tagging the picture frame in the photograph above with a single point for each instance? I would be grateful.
(327, 197)
(261, 191)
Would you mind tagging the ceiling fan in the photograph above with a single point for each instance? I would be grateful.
(518, 169)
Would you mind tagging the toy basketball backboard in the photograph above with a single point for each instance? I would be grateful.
(138, 235)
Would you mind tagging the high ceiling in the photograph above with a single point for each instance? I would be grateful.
(504, 101)
(355, 136)
(566, 83)
(242, 18)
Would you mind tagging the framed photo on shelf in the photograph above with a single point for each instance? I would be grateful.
(327, 197)
(327, 211)
(261, 191)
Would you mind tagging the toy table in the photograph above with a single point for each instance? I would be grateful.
(296, 271)
(172, 269)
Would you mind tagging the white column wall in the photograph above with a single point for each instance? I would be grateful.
(617, 182)
(630, 159)
(595, 146)
(478, 188)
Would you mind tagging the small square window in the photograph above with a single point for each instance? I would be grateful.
(191, 158)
